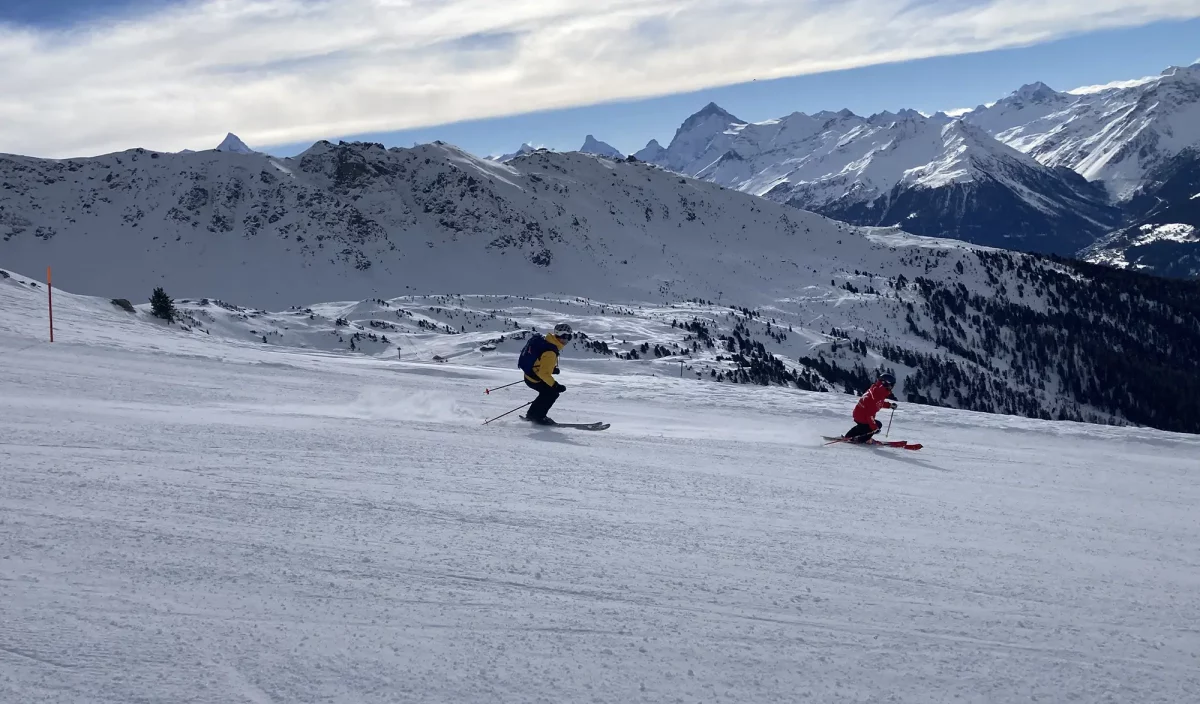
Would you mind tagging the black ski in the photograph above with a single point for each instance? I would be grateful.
(578, 426)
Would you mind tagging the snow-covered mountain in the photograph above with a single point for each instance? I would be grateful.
(357, 220)
(934, 176)
(593, 146)
(1116, 135)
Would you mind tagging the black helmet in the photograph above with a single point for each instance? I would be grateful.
(887, 379)
(563, 332)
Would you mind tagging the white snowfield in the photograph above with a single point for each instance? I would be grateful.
(194, 518)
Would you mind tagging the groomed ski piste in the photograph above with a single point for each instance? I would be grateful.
(197, 518)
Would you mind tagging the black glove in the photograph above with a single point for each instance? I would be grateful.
(559, 387)
(556, 370)
(895, 405)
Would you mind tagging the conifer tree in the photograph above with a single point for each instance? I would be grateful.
(162, 305)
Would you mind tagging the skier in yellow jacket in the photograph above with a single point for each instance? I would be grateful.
(539, 361)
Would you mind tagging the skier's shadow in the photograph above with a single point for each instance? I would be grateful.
(553, 436)
(907, 459)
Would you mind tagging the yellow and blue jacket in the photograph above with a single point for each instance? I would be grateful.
(543, 367)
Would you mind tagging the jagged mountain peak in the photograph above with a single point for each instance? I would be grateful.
(1037, 92)
(710, 118)
(653, 152)
(887, 117)
(591, 145)
(843, 114)
(525, 148)
(712, 108)
(233, 144)
(1189, 72)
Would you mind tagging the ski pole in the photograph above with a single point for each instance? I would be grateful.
(488, 391)
(889, 429)
(512, 411)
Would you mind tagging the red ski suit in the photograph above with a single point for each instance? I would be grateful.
(871, 403)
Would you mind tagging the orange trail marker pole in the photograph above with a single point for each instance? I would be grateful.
(50, 301)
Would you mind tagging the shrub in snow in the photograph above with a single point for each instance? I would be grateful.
(123, 304)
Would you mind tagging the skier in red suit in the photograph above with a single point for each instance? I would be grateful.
(875, 400)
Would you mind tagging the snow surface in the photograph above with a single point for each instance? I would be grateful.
(1172, 232)
(194, 518)
(1114, 250)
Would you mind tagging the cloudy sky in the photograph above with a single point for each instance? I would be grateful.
(84, 77)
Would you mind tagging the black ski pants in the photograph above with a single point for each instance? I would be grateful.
(861, 431)
(547, 395)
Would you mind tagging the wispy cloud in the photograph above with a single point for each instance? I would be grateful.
(283, 71)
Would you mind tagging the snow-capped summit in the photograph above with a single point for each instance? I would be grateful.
(1116, 134)
(1037, 92)
(593, 146)
(525, 149)
(696, 136)
(653, 152)
(1026, 104)
(934, 176)
(235, 145)
(710, 112)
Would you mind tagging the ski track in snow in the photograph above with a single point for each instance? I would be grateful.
(222, 523)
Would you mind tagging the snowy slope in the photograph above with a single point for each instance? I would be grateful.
(934, 176)
(192, 518)
(1117, 135)
(965, 327)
